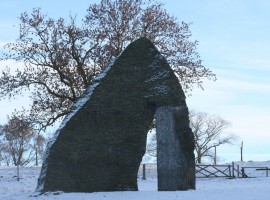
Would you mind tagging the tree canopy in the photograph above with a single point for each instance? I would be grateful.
(61, 57)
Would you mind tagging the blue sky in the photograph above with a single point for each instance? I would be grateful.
(234, 42)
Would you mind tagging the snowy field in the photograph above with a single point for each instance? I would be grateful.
(207, 189)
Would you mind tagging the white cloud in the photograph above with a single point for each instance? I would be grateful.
(258, 64)
(242, 85)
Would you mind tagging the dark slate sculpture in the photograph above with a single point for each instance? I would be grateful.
(100, 144)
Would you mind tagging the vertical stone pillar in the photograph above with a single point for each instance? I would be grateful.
(175, 146)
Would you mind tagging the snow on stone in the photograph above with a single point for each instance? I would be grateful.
(82, 100)
(75, 108)
(159, 75)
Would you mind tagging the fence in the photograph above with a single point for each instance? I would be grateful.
(208, 171)
(212, 171)
(250, 171)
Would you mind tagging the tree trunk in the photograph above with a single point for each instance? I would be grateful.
(175, 146)
(18, 173)
(199, 158)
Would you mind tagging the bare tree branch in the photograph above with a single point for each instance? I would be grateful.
(61, 58)
(209, 133)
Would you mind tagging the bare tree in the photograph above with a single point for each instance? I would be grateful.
(17, 140)
(39, 145)
(209, 132)
(61, 58)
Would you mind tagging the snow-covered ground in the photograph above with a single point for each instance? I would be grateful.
(207, 189)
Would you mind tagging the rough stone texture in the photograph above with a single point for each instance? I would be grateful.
(175, 146)
(100, 144)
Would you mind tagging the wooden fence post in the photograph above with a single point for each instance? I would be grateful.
(241, 151)
(215, 156)
(243, 172)
(144, 177)
(233, 169)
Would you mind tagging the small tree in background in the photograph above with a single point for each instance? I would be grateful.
(17, 138)
(18, 135)
(209, 133)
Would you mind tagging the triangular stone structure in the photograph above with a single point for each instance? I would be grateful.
(100, 143)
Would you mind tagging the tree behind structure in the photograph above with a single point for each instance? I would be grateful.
(61, 58)
(120, 22)
(209, 133)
